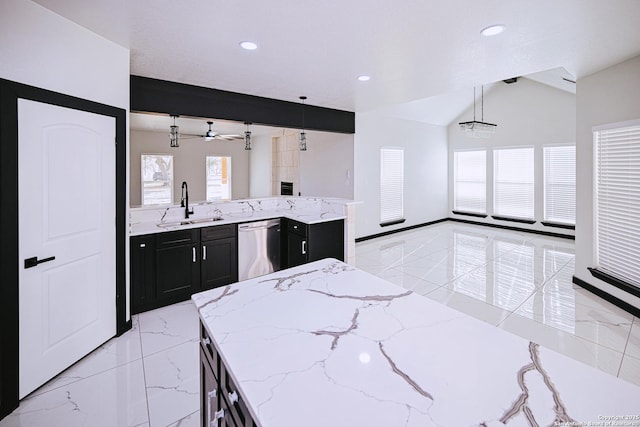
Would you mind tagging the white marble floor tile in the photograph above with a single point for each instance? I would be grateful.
(630, 370)
(112, 398)
(408, 281)
(578, 312)
(469, 305)
(370, 265)
(172, 380)
(167, 327)
(117, 351)
(633, 345)
(585, 351)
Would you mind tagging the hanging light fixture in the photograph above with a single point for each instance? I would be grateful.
(174, 134)
(303, 135)
(247, 137)
(478, 129)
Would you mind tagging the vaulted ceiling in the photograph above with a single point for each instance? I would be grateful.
(413, 49)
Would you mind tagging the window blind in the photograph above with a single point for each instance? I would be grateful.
(470, 182)
(391, 184)
(560, 184)
(513, 183)
(618, 202)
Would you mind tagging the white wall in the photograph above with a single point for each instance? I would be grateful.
(609, 96)
(260, 164)
(189, 164)
(527, 114)
(326, 168)
(42, 49)
(425, 170)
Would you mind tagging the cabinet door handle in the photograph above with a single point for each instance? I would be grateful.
(193, 251)
(211, 395)
(204, 253)
(304, 247)
(218, 415)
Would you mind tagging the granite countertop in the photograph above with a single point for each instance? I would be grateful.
(150, 227)
(325, 344)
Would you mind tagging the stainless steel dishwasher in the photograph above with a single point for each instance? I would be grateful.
(258, 248)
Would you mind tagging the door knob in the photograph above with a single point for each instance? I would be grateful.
(34, 261)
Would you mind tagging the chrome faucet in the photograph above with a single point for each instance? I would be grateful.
(184, 202)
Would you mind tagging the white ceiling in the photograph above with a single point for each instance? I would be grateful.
(413, 50)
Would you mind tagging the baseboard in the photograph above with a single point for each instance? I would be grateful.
(514, 228)
(398, 230)
(607, 297)
(466, 221)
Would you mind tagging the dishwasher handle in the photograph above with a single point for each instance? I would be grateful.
(261, 226)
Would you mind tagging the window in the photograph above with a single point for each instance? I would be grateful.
(513, 183)
(470, 186)
(617, 194)
(157, 179)
(560, 184)
(218, 178)
(391, 185)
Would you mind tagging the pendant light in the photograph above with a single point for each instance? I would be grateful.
(478, 129)
(303, 135)
(173, 135)
(247, 137)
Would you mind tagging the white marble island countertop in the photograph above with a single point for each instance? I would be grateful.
(325, 344)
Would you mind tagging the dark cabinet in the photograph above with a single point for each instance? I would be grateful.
(143, 273)
(177, 265)
(221, 404)
(297, 253)
(219, 264)
(311, 242)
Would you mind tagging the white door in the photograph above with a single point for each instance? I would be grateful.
(66, 196)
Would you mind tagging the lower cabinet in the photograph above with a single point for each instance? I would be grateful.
(219, 264)
(169, 267)
(143, 273)
(177, 265)
(311, 242)
(221, 404)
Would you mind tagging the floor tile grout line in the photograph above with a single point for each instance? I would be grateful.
(144, 372)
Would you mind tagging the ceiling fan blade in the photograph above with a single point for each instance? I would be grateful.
(229, 137)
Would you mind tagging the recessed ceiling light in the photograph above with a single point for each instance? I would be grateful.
(248, 45)
(492, 30)
(364, 78)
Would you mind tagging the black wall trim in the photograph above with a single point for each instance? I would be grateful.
(513, 228)
(398, 221)
(607, 297)
(411, 227)
(165, 97)
(466, 221)
(614, 281)
(557, 225)
(506, 218)
(9, 94)
(477, 215)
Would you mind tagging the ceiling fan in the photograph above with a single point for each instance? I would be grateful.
(210, 135)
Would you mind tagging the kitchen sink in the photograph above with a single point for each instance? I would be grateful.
(189, 221)
(201, 220)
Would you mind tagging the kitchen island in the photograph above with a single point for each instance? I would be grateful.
(326, 344)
